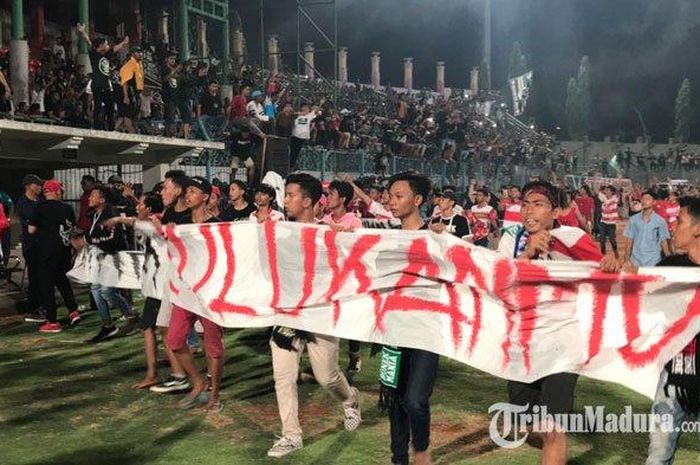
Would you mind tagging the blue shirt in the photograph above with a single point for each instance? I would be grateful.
(647, 237)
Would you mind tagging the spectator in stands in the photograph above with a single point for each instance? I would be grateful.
(256, 110)
(131, 79)
(210, 108)
(285, 121)
(5, 93)
(103, 117)
(239, 104)
(301, 132)
(175, 96)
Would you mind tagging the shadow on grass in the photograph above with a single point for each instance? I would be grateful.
(42, 415)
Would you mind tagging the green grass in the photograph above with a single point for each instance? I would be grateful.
(67, 403)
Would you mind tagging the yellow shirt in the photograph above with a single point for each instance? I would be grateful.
(132, 69)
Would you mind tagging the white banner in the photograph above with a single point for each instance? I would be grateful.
(520, 92)
(518, 320)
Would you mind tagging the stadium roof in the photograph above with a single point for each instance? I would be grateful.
(60, 146)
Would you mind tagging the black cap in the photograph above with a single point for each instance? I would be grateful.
(200, 183)
(32, 179)
(115, 179)
(136, 49)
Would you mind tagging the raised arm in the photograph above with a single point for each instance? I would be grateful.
(83, 33)
(121, 45)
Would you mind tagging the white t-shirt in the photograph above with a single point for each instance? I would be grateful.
(302, 125)
(257, 110)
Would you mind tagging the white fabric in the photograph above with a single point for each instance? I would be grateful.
(519, 320)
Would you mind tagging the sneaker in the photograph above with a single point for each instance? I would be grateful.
(353, 417)
(50, 328)
(37, 316)
(74, 317)
(284, 446)
(133, 324)
(355, 363)
(172, 384)
(105, 333)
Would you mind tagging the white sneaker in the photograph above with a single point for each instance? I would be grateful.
(284, 446)
(353, 416)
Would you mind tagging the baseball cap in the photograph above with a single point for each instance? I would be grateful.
(115, 179)
(32, 179)
(200, 183)
(136, 49)
(52, 185)
(256, 93)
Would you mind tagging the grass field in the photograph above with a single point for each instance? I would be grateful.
(69, 403)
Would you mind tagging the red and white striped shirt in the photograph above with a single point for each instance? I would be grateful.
(511, 213)
(609, 210)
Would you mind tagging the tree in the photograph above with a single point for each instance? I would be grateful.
(683, 112)
(579, 102)
(571, 109)
(583, 88)
(518, 61)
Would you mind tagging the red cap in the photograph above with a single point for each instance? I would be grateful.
(52, 185)
(215, 190)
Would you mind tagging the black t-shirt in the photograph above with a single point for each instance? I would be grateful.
(26, 208)
(53, 220)
(211, 104)
(100, 69)
(456, 225)
(171, 216)
(231, 214)
(677, 260)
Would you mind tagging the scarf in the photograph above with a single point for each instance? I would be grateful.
(683, 376)
(393, 374)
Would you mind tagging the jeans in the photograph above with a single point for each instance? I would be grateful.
(31, 260)
(52, 272)
(411, 419)
(662, 444)
(607, 232)
(106, 297)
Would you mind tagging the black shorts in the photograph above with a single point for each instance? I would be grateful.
(150, 313)
(556, 392)
(130, 110)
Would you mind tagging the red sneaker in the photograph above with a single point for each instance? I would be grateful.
(50, 328)
(74, 317)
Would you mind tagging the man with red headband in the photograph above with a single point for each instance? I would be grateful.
(541, 238)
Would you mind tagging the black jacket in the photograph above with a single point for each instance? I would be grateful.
(109, 240)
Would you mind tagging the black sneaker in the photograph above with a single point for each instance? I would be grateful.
(133, 325)
(37, 316)
(105, 333)
(172, 384)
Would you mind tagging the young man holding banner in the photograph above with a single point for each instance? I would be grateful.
(303, 192)
(182, 321)
(408, 399)
(541, 238)
(678, 393)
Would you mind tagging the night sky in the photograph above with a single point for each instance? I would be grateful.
(640, 50)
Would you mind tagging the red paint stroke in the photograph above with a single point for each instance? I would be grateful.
(206, 232)
(220, 304)
(271, 241)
